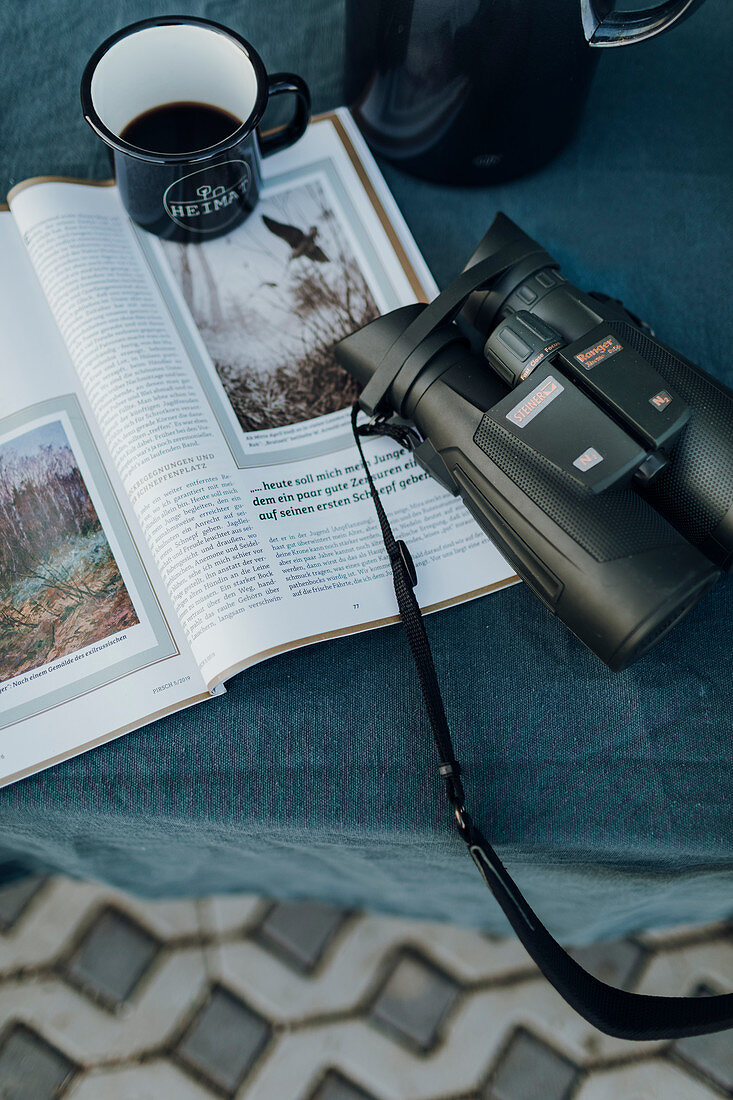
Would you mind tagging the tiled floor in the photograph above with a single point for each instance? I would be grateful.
(106, 997)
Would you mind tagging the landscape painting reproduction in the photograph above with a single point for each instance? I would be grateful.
(271, 300)
(60, 587)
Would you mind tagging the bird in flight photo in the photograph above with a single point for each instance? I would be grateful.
(301, 244)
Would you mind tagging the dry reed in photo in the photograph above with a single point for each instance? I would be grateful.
(271, 300)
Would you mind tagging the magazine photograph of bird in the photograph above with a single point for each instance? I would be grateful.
(301, 244)
(271, 299)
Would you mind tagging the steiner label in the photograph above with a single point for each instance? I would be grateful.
(530, 406)
(597, 353)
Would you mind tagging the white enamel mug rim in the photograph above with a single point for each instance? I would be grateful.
(108, 133)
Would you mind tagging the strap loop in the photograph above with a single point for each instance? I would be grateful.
(403, 555)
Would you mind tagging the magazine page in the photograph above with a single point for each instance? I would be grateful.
(89, 644)
(211, 372)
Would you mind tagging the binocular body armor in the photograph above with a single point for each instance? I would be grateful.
(598, 460)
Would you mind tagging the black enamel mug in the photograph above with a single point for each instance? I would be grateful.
(189, 194)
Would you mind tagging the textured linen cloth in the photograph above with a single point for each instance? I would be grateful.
(608, 795)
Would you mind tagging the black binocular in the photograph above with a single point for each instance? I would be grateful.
(598, 460)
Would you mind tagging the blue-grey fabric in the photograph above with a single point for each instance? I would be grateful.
(608, 794)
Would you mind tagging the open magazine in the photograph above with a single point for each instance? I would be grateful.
(180, 495)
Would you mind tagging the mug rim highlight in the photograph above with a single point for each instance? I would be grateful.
(120, 145)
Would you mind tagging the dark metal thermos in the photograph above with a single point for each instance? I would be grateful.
(481, 91)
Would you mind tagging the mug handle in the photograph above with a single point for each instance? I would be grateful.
(283, 136)
(621, 28)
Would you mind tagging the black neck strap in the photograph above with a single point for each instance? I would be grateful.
(624, 1015)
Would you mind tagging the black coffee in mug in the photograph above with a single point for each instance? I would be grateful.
(180, 127)
(179, 101)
